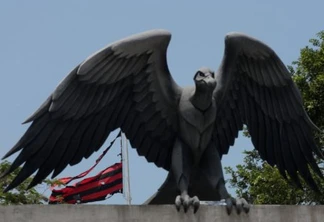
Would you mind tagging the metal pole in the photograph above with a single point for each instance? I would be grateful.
(126, 177)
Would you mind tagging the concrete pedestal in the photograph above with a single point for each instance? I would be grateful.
(143, 213)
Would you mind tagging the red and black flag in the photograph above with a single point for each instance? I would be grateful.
(107, 182)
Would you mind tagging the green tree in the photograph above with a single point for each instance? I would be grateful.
(20, 195)
(257, 181)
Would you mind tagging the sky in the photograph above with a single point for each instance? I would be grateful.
(41, 41)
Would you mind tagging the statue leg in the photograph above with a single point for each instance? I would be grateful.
(181, 167)
(211, 166)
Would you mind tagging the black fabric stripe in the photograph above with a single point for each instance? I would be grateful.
(101, 198)
(103, 176)
(94, 190)
(110, 174)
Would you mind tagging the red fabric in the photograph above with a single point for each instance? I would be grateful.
(103, 193)
(106, 182)
(67, 180)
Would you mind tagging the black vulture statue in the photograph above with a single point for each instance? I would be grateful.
(186, 131)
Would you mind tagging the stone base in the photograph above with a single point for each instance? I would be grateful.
(156, 213)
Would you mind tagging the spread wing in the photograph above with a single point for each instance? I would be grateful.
(255, 88)
(126, 85)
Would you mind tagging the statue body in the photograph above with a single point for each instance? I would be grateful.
(186, 131)
(196, 124)
(194, 153)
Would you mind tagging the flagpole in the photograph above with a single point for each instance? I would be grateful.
(126, 177)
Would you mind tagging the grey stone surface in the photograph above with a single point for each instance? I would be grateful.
(143, 213)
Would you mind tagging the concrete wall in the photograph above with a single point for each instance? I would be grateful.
(143, 213)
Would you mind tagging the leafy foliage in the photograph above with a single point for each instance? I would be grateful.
(308, 73)
(257, 181)
(20, 195)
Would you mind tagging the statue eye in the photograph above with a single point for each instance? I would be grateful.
(201, 74)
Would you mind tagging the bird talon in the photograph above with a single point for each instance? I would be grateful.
(185, 208)
(195, 203)
(185, 201)
(240, 204)
(245, 206)
(229, 205)
(178, 202)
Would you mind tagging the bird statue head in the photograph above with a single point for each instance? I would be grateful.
(205, 79)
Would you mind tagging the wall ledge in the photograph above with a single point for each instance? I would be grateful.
(157, 213)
